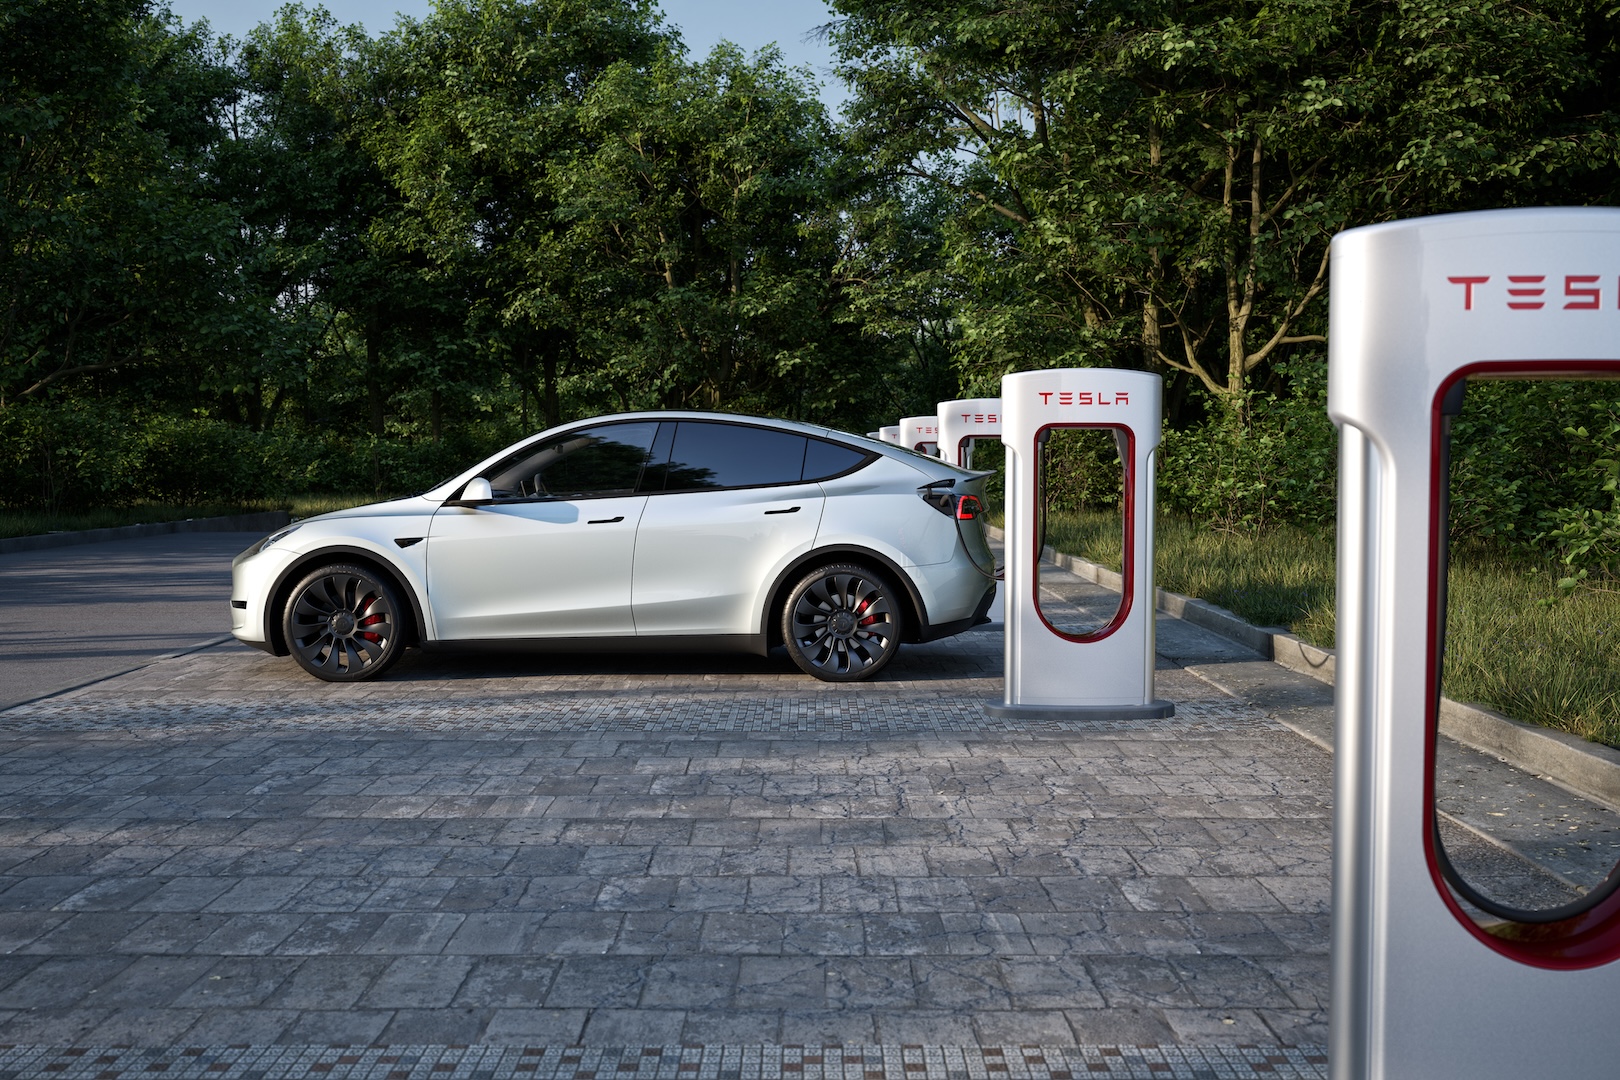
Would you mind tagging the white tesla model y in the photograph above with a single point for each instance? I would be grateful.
(658, 531)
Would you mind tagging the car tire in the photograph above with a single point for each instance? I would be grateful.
(343, 623)
(842, 623)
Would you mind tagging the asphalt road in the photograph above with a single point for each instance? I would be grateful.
(72, 615)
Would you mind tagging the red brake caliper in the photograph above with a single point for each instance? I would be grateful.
(371, 620)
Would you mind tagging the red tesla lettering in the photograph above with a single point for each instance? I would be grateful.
(1468, 284)
(1526, 279)
(1066, 398)
(1046, 396)
(1122, 398)
(990, 418)
(1589, 297)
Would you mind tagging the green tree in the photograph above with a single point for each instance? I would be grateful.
(1156, 183)
(482, 106)
(114, 249)
(707, 212)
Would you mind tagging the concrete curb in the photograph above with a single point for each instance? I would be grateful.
(1587, 769)
(262, 523)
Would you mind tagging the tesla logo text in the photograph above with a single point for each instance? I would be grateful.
(1528, 292)
(980, 418)
(1085, 397)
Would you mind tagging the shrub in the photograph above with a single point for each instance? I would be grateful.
(68, 456)
(1278, 465)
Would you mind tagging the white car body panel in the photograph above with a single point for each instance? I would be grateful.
(373, 530)
(705, 559)
(553, 568)
(705, 565)
(878, 508)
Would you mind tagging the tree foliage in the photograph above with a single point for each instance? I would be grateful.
(356, 261)
(113, 245)
(1155, 183)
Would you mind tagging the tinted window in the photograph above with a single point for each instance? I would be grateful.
(605, 460)
(710, 455)
(825, 459)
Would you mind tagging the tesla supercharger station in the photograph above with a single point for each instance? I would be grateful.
(1106, 674)
(961, 422)
(890, 434)
(920, 433)
(1420, 988)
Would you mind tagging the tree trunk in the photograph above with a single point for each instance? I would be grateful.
(374, 387)
(548, 381)
(374, 396)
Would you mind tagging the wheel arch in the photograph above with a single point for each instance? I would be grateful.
(914, 610)
(416, 630)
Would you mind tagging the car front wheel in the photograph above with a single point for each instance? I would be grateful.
(842, 623)
(342, 624)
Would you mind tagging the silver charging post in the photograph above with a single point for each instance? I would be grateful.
(963, 421)
(1425, 983)
(1105, 671)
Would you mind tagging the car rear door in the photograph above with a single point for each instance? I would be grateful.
(731, 509)
(551, 554)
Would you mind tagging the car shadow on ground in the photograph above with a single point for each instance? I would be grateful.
(930, 662)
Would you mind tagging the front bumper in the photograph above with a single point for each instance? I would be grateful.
(253, 577)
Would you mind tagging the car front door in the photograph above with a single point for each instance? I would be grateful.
(550, 554)
(731, 508)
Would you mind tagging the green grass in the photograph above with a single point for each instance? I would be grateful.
(27, 523)
(1280, 578)
(1556, 664)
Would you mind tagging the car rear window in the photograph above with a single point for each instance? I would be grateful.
(824, 460)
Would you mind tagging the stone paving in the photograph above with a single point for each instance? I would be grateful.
(606, 854)
(576, 867)
(700, 857)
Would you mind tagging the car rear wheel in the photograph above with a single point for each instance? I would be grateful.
(342, 624)
(842, 623)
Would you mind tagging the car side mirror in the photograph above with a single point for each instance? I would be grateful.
(476, 491)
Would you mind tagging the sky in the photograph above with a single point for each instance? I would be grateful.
(749, 23)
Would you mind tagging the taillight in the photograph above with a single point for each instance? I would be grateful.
(941, 498)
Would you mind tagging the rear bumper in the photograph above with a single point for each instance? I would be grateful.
(979, 617)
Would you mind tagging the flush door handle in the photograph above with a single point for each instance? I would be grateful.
(789, 510)
(605, 521)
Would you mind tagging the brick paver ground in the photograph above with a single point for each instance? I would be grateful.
(665, 864)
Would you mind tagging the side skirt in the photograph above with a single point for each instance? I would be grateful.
(754, 644)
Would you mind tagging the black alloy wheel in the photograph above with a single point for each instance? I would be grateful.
(842, 623)
(342, 624)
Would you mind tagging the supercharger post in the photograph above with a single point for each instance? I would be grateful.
(920, 433)
(1420, 988)
(1106, 674)
(890, 433)
(963, 421)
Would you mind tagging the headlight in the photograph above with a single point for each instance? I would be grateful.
(277, 536)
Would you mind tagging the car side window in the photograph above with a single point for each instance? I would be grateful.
(706, 455)
(825, 460)
(598, 461)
